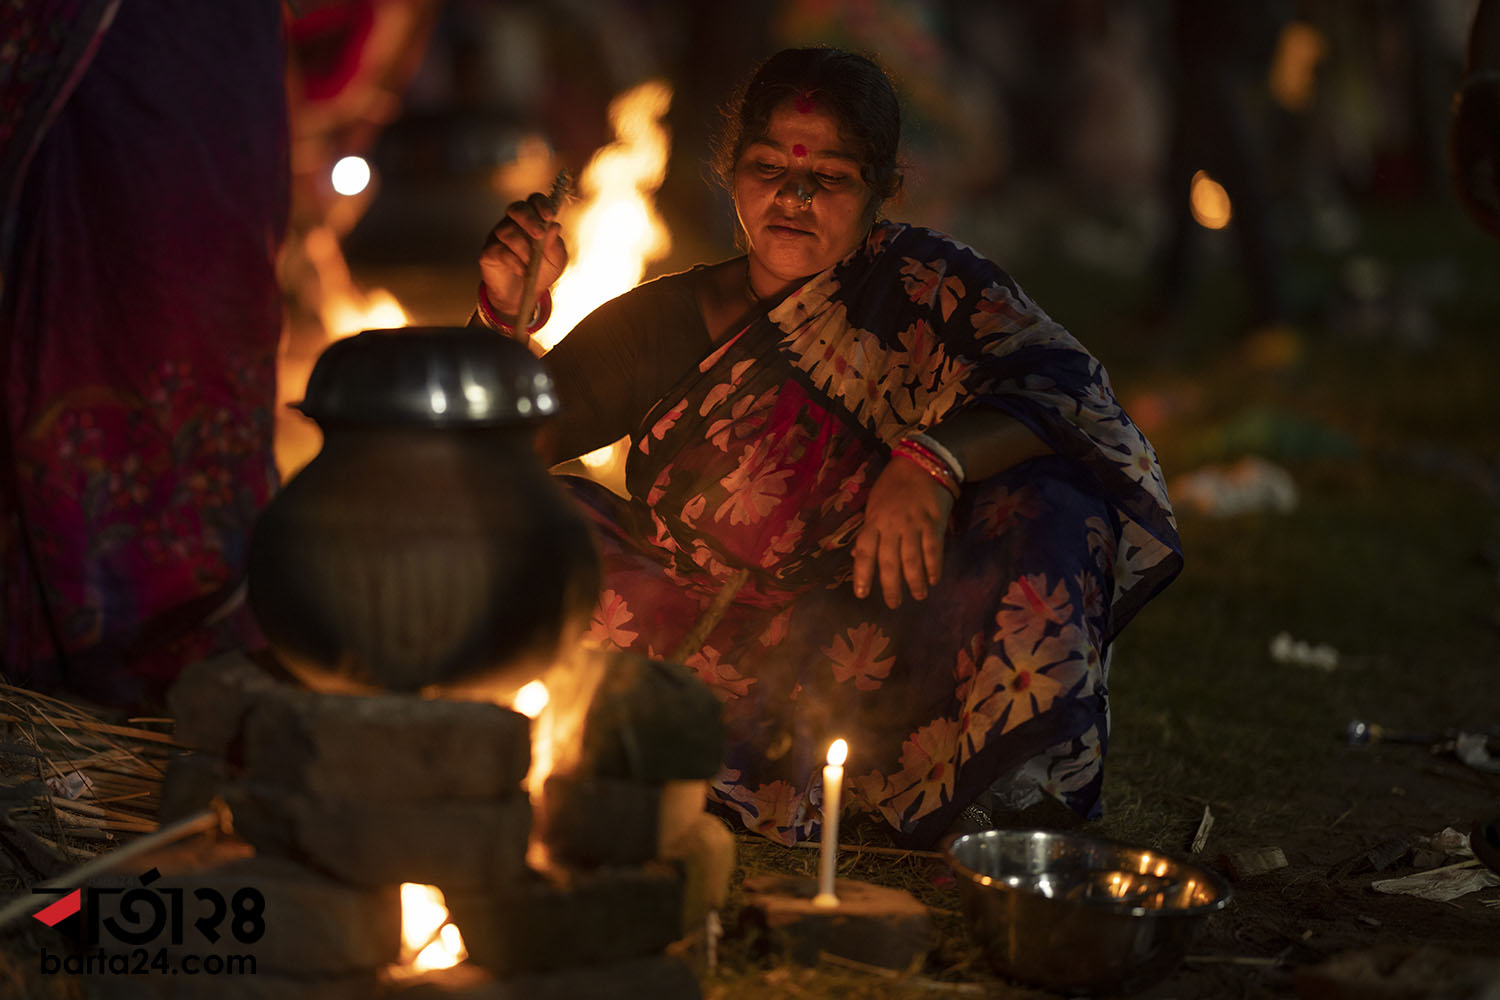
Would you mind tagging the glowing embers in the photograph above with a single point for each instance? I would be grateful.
(429, 940)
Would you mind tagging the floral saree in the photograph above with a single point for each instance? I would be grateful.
(760, 459)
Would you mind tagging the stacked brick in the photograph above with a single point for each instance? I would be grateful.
(345, 797)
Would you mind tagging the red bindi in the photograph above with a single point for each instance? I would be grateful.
(804, 102)
(799, 150)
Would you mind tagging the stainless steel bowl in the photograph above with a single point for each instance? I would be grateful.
(428, 376)
(1079, 914)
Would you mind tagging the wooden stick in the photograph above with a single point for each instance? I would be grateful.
(534, 265)
(699, 632)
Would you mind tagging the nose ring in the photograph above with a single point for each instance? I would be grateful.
(805, 196)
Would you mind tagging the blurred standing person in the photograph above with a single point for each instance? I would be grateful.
(143, 165)
(1474, 162)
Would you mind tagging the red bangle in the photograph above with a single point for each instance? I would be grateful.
(539, 315)
(927, 457)
(934, 469)
(938, 452)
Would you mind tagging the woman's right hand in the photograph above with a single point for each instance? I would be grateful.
(502, 262)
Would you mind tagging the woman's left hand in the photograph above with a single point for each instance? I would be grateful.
(906, 515)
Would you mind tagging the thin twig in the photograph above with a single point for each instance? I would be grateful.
(899, 852)
(99, 728)
(699, 632)
(906, 978)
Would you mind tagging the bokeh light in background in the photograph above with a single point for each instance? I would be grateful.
(351, 175)
(1209, 201)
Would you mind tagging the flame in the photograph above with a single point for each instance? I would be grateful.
(617, 231)
(1210, 202)
(557, 708)
(531, 699)
(838, 752)
(348, 314)
(428, 939)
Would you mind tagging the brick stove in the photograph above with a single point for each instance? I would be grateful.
(338, 800)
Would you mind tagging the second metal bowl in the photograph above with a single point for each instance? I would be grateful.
(1080, 914)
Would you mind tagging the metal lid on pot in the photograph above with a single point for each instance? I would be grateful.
(428, 376)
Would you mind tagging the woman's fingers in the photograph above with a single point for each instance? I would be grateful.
(901, 540)
(891, 544)
(864, 558)
(507, 252)
(932, 550)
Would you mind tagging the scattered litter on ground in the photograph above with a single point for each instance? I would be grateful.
(1243, 864)
(1377, 858)
(1473, 749)
(1441, 848)
(1285, 649)
(70, 785)
(1449, 881)
(1200, 839)
(1249, 485)
(1441, 884)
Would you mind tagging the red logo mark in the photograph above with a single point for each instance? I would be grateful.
(55, 913)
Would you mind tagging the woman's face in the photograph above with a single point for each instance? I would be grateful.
(799, 196)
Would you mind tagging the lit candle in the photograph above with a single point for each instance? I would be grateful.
(833, 785)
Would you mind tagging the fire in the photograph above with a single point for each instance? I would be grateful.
(346, 315)
(617, 232)
(1209, 201)
(428, 939)
(531, 699)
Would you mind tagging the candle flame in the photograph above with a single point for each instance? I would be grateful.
(838, 752)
